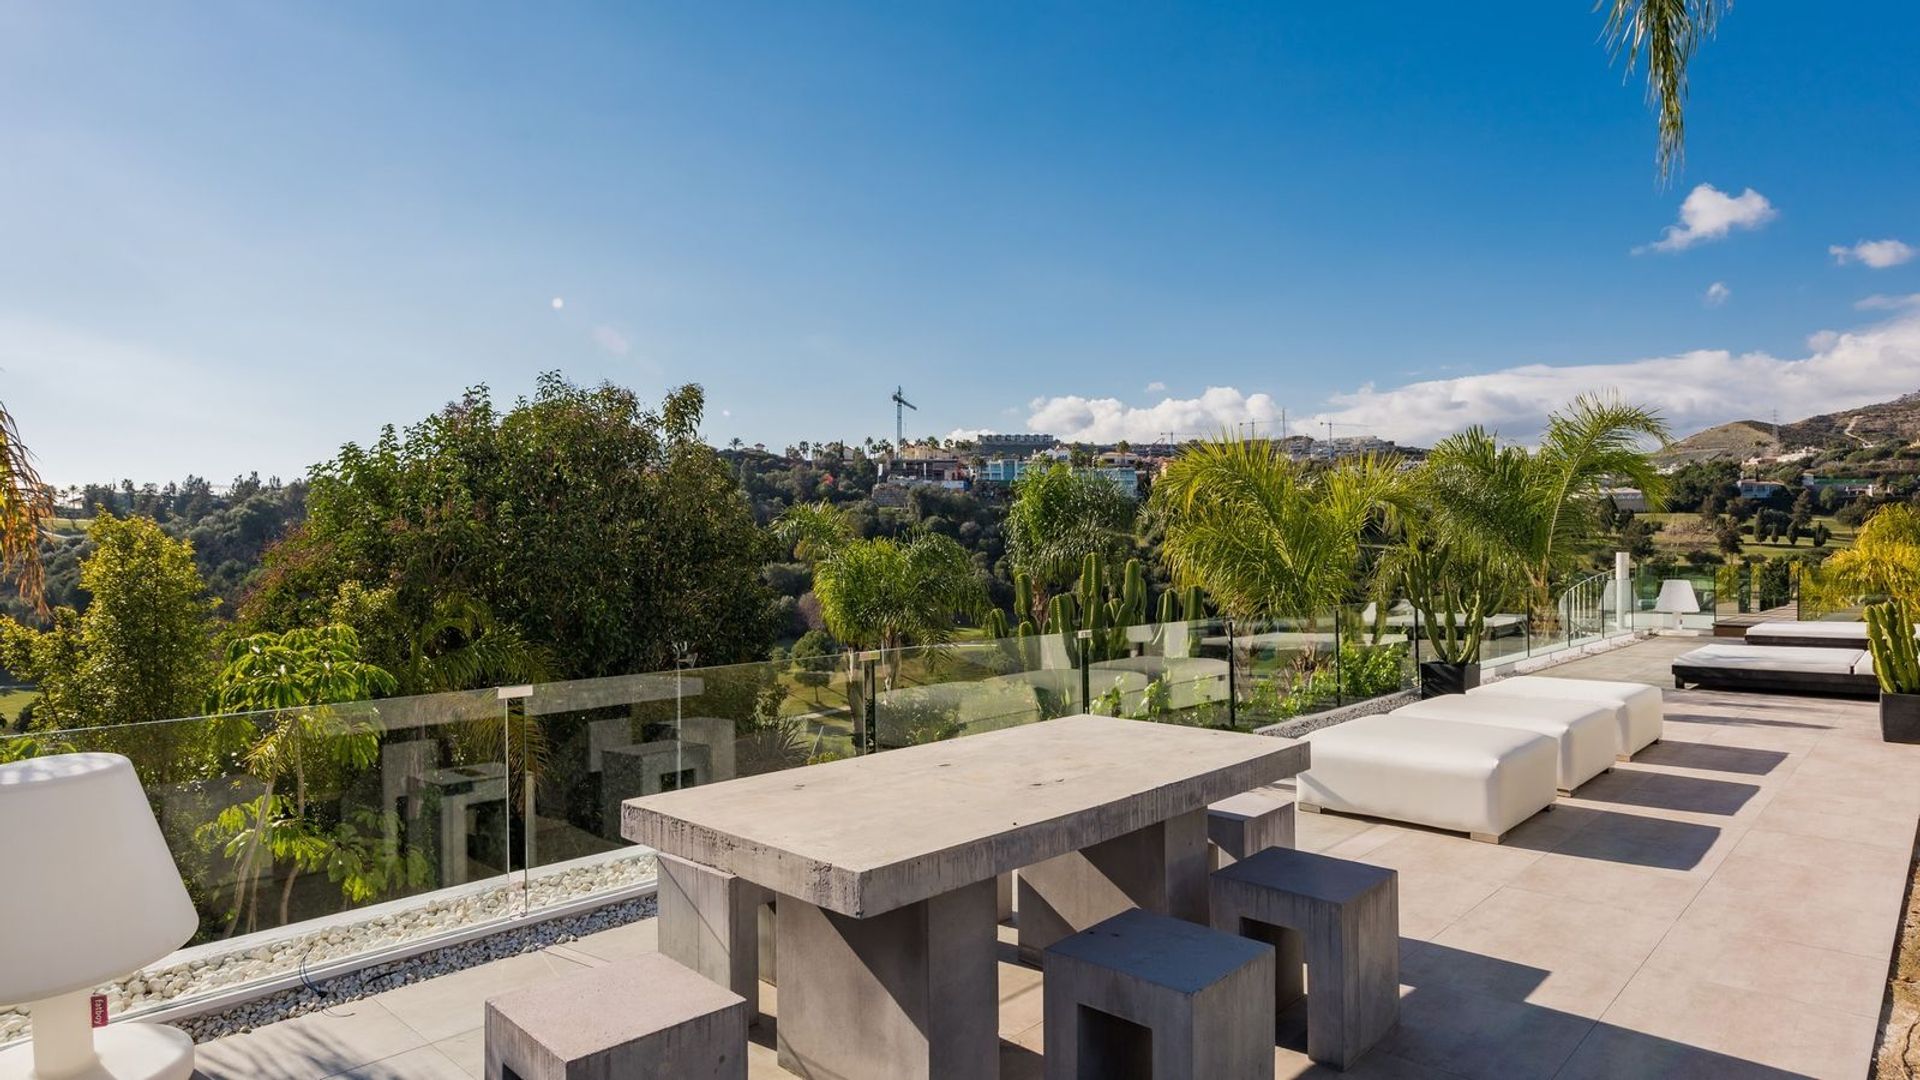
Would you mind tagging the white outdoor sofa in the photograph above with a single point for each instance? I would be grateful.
(1477, 779)
(1586, 734)
(1639, 709)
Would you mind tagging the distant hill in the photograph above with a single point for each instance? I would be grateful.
(1737, 441)
(1889, 421)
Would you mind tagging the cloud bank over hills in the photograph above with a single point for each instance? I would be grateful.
(1701, 388)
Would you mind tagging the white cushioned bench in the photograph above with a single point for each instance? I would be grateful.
(1587, 734)
(1472, 778)
(1639, 709)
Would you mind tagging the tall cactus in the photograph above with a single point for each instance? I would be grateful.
(1896, 656)
(996, 624)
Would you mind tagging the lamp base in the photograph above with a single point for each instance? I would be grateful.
(125, 1052)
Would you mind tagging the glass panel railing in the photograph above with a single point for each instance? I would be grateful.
(1175, 678)
(309, 836)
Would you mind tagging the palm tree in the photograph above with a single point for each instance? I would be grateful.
(1884, 560)
(1265, 536)
(1666, 33)
(25, 502)
(1058, 518)
(880, 593)
(1534, 509)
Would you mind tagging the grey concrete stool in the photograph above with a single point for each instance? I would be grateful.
(717, 924)
(1248, 822)
(1344, 918)
(1145, 995)
(643, 1019)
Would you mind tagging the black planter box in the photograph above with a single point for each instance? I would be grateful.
(1438, 677)
(1900, 718)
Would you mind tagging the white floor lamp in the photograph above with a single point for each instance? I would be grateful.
(91, 895)
(1677, 598)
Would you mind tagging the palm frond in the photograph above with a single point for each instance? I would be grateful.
(1666, 33)
(25, 502)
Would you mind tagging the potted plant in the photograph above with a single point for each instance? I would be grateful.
(1454, 587)
(1896, 661)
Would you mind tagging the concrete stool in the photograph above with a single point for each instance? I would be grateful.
(1345, 918)
(1248, 822)
(644, 1019)
(717, 924)
(1145, 995)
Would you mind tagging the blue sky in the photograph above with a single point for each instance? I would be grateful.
(233, 236)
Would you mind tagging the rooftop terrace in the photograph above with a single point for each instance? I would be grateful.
(1725, 905)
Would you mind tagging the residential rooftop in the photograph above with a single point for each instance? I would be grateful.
(1724, 905)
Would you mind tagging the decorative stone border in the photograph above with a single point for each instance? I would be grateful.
(393, 974)
(327, 949)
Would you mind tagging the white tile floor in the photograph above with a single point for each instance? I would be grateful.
(1724, 906)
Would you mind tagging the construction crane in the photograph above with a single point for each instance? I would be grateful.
(900, 407)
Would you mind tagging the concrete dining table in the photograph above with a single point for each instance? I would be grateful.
(882, 871)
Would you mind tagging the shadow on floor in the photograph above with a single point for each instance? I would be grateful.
(1467, 1013)
(1709, 757)
(1691, 794)
(1610, 836)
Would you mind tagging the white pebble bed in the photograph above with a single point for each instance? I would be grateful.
(432, 915)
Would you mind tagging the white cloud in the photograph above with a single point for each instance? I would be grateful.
(1710, 214)
(1875, 254)
(559, 302)
(1156, 386)
(1082, 419)
(1717, 294)
(612, 340)
(1883, 302)
(1843, 369)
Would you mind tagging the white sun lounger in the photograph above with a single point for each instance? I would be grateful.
(1587, 734)
(1472, 778)
(1638, 708)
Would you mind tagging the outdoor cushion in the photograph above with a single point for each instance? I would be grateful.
(1638, 708)
(1773, 658)
(1473, 778)
(1776, 667)
(1587, 734)
(1809, 634)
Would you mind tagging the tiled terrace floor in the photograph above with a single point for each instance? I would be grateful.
(1725, 906)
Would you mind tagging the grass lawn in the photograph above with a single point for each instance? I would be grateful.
(12, 700)
(1686, 532)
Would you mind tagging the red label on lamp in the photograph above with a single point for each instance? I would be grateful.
(99, 1010)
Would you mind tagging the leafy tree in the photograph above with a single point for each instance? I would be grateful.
(601, 531)
(285, 689)
(813, 661)
(1265, 536)
(1803, 510)
(25, 502)
(1727, 535)
(141, 650)
(1636, 538)
(1057, 518)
